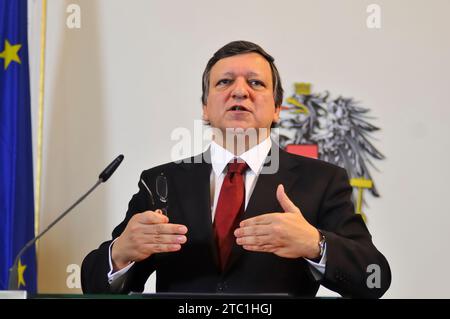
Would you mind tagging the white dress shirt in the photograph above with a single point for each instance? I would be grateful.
(220, 157)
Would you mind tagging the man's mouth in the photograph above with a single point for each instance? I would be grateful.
(238, 108)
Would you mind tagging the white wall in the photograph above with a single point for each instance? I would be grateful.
(132, 74)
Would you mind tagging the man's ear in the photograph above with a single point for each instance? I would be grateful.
(276, 114)
(205, 114)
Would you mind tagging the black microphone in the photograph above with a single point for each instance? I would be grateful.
(103, 177)
(109, 170)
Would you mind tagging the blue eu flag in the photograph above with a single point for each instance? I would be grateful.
(16, 163)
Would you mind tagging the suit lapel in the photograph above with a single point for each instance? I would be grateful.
(193, 187)
(263, 199)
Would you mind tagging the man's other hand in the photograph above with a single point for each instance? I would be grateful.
(286, 234)
(146, 233)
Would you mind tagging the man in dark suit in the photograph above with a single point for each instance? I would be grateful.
(245, 216)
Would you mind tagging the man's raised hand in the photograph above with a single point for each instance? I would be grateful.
(146, 233)
(286, 234)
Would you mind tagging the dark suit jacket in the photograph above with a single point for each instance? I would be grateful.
(320, 190)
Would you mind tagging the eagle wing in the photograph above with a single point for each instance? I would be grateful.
(339, 127)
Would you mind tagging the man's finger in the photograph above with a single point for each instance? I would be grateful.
(254, 240)
(285, 202)
(257, 230)
(151, 217)
(165, 239)
(175, 229)
(264, 219)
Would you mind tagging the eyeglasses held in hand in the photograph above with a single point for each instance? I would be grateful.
(163, 192)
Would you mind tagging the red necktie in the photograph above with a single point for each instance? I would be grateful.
(229, 206)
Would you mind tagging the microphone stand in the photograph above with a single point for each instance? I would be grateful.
(13, 280)
(13, 283)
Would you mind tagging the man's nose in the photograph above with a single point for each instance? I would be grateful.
(240, 89)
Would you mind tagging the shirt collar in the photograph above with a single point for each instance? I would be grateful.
(254, 157)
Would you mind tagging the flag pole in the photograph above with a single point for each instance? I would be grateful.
(40, 117)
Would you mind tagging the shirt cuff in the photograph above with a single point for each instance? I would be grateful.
(318, 269)
(113, 277)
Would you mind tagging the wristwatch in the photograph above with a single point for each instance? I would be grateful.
(321, 243)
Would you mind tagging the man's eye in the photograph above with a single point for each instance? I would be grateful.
(256, 83)
(223, 82)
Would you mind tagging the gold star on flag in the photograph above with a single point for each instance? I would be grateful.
(20, 278)
(9, 53)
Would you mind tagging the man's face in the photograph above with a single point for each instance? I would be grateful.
(241, 94)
